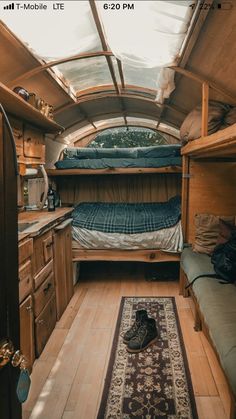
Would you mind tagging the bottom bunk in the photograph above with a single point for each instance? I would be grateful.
(147, 232)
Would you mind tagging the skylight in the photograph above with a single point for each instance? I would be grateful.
(146, 38)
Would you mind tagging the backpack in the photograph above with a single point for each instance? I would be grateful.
(223, 260)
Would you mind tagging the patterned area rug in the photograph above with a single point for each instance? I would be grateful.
(154, 383)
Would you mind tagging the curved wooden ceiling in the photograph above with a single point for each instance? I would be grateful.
(204, 56)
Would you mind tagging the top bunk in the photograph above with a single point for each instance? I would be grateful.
(91, 161)
(221, 144)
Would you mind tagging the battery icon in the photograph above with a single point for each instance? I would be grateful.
(225, 6)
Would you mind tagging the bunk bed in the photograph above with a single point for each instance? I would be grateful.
(208, 187)
(156, 159)
(150, 244)
(115, 229)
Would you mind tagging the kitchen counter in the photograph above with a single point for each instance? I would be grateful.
(41, 220)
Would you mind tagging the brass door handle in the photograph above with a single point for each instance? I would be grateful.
(17, 359)
(6, 351)
(8, 354)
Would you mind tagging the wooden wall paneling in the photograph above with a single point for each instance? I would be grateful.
(212, 188)
(185, 192)
(119, 188)
(205, 99)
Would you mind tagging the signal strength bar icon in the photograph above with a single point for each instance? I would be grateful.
(9, 7)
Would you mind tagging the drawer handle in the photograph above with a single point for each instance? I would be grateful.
(28, 308)
(46, 289)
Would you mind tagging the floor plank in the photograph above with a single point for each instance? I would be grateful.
(73, 364)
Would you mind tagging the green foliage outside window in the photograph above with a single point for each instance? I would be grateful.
(124, 137)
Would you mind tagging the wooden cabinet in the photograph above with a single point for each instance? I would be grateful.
(34, 144)
(30, 142)
(43, 294)
(44, 258)
(44, 289)
(25, 278)
(43, 251)
(27, 330)
(63, 265)
(25, 251)
(17, 129)
(44, 324)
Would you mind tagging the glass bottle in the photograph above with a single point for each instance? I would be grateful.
(51, 199)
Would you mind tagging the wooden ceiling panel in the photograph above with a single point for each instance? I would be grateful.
(67, 118)
(109, 104)
(15, 58)
(214, 53)
(141, 106)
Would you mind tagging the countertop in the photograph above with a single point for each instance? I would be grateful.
(42, 220)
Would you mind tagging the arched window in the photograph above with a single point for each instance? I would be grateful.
(128, 137)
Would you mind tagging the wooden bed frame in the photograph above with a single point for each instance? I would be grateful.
(80, 254)
(114, 171)
(143, 255)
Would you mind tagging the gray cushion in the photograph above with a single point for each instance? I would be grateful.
(217, 303)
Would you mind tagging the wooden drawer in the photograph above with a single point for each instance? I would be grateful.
(47, 248)
(43, 274)
(25, 250)
(34, 145)
(25, 278)
(43, 251)
(43, 294)
(44, 324)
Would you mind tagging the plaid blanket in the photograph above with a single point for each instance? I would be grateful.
(127, 218)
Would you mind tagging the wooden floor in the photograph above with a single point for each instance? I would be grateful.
(67, 379)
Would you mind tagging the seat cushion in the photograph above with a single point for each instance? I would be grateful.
(217, 303)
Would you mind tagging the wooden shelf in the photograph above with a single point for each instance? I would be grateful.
(220, 144)
(17, 106)
(114, 171)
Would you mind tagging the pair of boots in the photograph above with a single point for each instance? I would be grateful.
(142, 333)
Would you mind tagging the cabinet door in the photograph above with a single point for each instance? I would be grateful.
(27, 330)
(34, 145)
(63, 266)
(44, 324)
(17, 129)
(25, 278)
(43, 294)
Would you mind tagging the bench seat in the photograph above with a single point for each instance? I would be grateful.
(217, 304)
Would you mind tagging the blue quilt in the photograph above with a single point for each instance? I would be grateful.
(127, 218)
(104, 163)
(102, 158)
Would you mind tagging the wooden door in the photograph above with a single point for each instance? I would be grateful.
(63, 265)
(9, 299)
